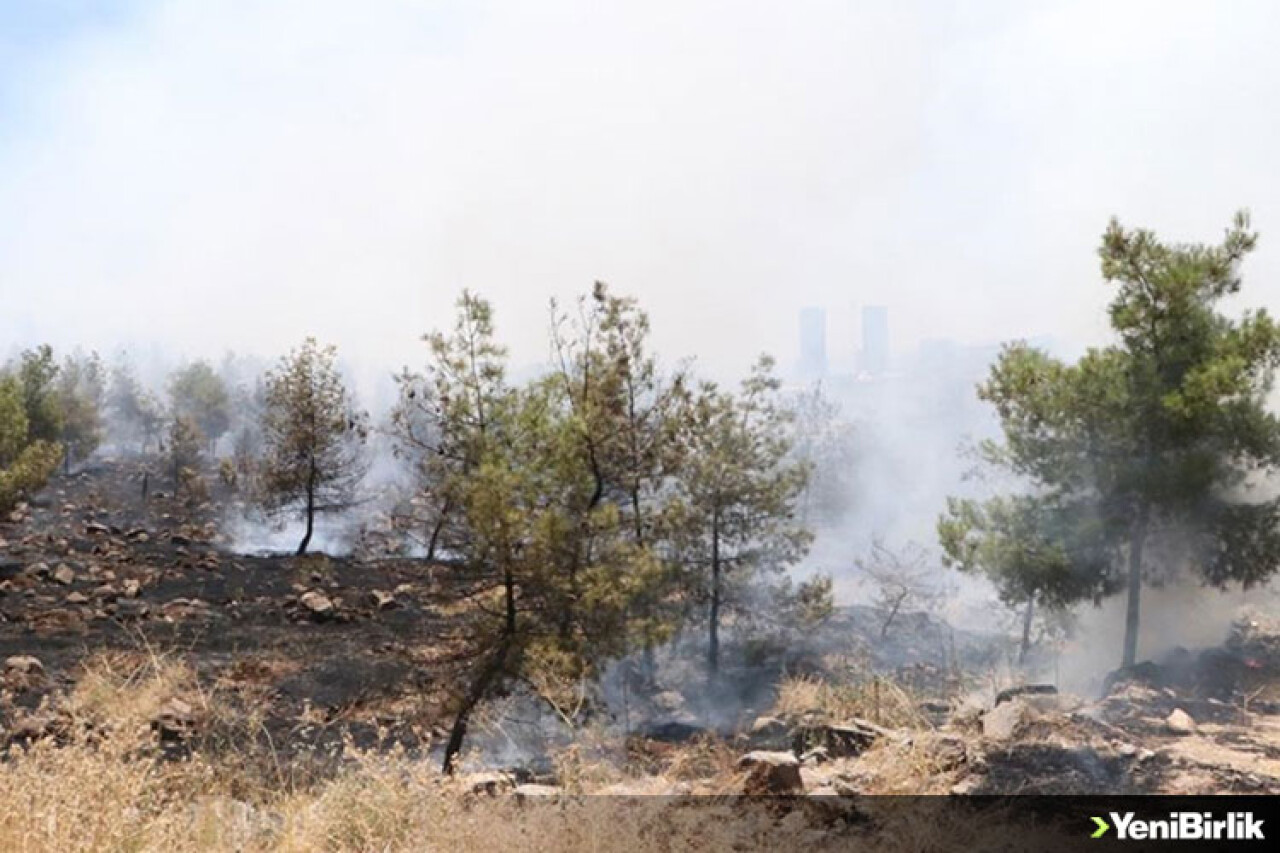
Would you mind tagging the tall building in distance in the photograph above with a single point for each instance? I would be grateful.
(813, 343)
(874, 359)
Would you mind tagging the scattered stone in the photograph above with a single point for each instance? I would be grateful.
(96, 528)
(77, 598)
(1180, 723)
(535, 791)
(815, 757)
(1003, 721)
(382, 600)
(842, 740)
(1025, 690)
(771, 773)
(24, 665)
(175, 721)
(130, 610)
(137, 534)
(491, 783)
(131, 588)
(64, 574)
(317, 604)
(769, 733)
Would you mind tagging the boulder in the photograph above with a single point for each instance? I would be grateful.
(1179, 722)
(1003, 721)
(64, 574)
(771, 773)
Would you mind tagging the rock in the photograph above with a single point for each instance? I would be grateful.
(96, 528)
(842, 740)
(77, 598)
(64, 574)
(946, 751)
(1025, 690)
(1180, 723)
(130, 610)
(24, 664)
(491, 783)
(317, 604)
(1003, 721)
(815, 756)
(771, 773)
(669, 701)
(534, 790)
(131, 588)
(382, 600)
(175, 720)
(769, 733)
(138, 535)
(37, 570)
(9, 568)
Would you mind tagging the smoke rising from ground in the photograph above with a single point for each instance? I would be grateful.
(185, 178)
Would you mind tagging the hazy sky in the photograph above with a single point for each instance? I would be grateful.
(239, 174)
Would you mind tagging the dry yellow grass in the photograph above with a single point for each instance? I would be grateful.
(102, 787)
(876, 699)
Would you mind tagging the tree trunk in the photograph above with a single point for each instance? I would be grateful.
(1135, 589)
(479, 689)
(1027, 616)
(311, 509)
(713, 619)
(893, 613)
(436, 530)
(484, 681)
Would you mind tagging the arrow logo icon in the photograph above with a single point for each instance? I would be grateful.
(1103, 826)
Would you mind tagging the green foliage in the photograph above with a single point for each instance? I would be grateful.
(313, 438)
(734, 511)
(198, 393)
(1135, 461)
(28, 472)
(183, 451)
(136, 414)
(30, 425)
(81, 392)
(13, 419)
(36, 373)
(574, 507)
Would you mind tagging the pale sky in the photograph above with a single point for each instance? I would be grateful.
(213, 175)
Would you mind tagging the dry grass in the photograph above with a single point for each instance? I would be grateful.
(103, 785)
(879, 700)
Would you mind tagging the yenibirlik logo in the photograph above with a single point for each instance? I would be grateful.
(1182, 826)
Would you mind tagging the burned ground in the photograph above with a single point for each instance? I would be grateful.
(333, 655)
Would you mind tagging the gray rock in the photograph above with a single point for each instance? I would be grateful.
(771, 773)
(1003, 721)
(1180, 723)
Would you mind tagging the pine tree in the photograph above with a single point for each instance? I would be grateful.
(1136, 460)
(737, 493)
(313, 438)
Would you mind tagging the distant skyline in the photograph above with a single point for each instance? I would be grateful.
(242, 174)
